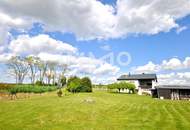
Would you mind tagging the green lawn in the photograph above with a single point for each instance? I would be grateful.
(107, 111)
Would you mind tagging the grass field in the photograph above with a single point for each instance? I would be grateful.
(94, 111)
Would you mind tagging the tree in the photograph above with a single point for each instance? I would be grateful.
(63, 80)
(32, 63)
(86, 85)
(42, 67)
(18, 67)
(73, 83)
(76, 84)
(52, 66)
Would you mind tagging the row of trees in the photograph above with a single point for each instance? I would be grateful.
(122, 85)
(36, 69)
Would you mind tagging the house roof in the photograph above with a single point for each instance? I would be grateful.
(173, 87)
(137, 77)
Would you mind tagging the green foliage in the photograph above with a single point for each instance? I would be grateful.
(5, 86)
(39, 83)
(76, 84)
(73, 84)
(86, 85)
(59, 93)
(122, 85)
(31, 89)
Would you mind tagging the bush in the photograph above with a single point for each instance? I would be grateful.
(59, 93)
(76, 84)
(39, 83)
(73, 84)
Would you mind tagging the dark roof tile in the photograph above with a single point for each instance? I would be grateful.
(137, 77)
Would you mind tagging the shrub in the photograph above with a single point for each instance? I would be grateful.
(73, 84)
(59, 93)
(39, 83)
(76, 84)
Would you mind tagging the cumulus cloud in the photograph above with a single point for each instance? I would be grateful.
(106, 69)
(171, 64)
(25, 44)
(54, 51)
(82, 65)
(150, 17)
(148, 68)
(6, 23)
(87, 19)
(181, 78)
(91, 19)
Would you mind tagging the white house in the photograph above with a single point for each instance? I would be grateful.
(143, 82)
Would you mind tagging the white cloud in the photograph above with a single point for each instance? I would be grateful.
(182, 78)
(104, 80)
(5, 57)
(83, 66)
(25, 44)
(105, 47)
(106, 69)
(6, 23)
(171, 64)
(180, 29)
(187, 62)
(148, 68)
(87, 19)
(150, 17)
(91, 19)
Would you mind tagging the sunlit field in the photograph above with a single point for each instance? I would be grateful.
(99, 110)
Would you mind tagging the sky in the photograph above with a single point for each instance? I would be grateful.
(102, 39)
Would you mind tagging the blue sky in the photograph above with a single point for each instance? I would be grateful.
(166, 38)
(142, 48)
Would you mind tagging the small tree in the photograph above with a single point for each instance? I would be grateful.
(32, 63)
(42, 67)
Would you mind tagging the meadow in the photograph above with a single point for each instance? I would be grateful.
(100, 110)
